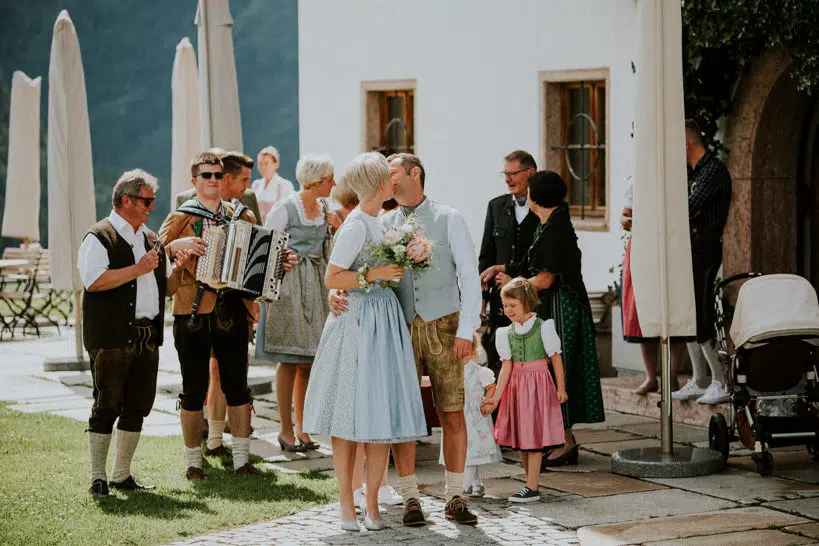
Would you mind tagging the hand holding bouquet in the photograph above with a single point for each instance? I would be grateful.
(404, 246)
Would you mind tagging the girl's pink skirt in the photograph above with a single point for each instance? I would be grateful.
(529, 417)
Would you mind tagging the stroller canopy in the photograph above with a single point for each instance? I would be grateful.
(773, 306)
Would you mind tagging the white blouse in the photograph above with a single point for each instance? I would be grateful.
(278, 218)
(352, 235)
(485, 375)
(548, 335)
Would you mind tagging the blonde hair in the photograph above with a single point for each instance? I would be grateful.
(365, 173)
(268, 150)
(312, 169)
(343, 195)
(522, 290)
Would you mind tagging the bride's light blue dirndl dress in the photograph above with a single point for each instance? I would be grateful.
(364, 385)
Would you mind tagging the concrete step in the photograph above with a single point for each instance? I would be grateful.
(617, 396)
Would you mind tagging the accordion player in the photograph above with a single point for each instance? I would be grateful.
(244, 257)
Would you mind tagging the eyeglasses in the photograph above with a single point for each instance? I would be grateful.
(510, 174)
(208, 176)
(145, 200)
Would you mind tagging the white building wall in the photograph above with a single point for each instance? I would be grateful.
(478, 96)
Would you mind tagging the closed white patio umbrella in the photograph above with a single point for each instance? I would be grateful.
(186, 138)
(218, 87)
(71, 206)
(21, 215)
(660, 247)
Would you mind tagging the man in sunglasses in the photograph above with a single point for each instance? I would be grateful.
(234, 185)
(126, 277)
(222, 322)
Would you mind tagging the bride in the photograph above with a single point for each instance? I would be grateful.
(364, 385)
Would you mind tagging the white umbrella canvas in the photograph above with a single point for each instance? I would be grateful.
(218, 86)
(660, 247)
(186, 139)
(21, 216)
(71, 206)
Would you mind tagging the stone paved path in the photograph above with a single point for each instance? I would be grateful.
(584, 503)
(498, 525)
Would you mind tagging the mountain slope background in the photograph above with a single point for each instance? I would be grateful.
(128, 48)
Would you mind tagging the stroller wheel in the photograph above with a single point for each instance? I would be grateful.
(764, 462)
(718, 435)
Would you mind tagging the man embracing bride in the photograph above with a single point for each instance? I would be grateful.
(365, 382)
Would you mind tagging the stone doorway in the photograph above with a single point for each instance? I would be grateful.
(807, 256)
(775, 176)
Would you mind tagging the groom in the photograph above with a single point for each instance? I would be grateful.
(442, 317)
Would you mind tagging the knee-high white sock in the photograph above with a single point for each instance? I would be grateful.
(408, 487)
(714, 364)
(215, 431)
(698, 364)
(241, 452)
(454, 480)
(125, 446)
(193, 457)
(98, 454)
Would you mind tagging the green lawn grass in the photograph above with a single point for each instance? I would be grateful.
(44, 480)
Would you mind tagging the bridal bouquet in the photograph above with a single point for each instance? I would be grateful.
(404, 246)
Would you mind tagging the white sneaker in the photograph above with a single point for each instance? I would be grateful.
(389, 496)
(689, 391)
(716, 393)
(359, 498)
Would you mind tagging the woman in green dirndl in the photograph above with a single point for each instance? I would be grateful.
(553, 266)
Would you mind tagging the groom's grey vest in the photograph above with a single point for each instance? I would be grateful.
(433, 293)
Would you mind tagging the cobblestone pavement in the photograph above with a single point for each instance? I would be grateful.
(498, 524)
(579, 502)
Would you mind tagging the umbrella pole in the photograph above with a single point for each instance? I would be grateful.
(666, 421)
(78, 325)
(78, 362)
(207, 87)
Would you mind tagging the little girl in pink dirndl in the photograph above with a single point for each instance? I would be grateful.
(529, 417)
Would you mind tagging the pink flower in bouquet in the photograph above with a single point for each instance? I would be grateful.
(392, 236)
(419, 249)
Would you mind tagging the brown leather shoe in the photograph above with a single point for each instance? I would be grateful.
(246, 470)
(220, 451)
(194, 474)
(456, 510)
(413, 515)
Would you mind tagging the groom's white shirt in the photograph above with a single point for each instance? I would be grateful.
(466, 267)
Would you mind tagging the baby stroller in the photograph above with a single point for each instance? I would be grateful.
(773, 378)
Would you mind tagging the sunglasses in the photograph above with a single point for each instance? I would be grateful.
(145, 200)
(208, 176)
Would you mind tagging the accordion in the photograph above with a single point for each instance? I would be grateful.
(244, 257)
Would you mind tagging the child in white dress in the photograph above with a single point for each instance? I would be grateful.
(481, 449)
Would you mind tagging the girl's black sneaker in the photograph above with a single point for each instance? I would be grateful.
(525, 495)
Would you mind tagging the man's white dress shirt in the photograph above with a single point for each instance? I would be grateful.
(520, 211)
(92, 261)
(466, 264)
